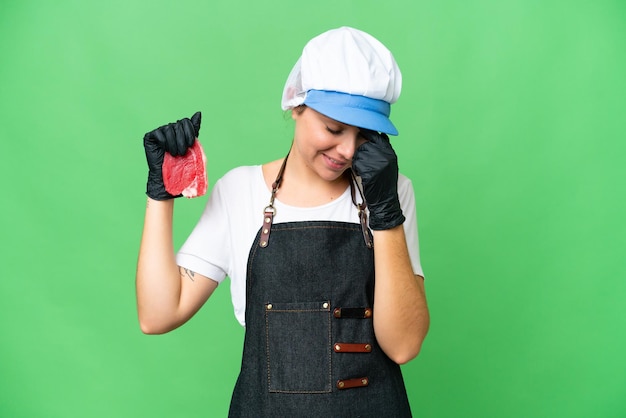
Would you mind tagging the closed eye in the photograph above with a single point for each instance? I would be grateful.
(334, 132)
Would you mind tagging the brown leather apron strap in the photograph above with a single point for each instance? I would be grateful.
(270, 210)
(352, 347)
(352, 313)
(361, 207)
(359, 382)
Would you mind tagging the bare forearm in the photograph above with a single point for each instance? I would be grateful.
(158, 280)
(401, 318)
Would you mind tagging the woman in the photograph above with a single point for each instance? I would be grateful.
(303, 240)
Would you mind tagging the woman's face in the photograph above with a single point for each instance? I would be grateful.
(324, 145)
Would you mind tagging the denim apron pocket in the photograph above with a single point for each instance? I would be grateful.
(298, 341)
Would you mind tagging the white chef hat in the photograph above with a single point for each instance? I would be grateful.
(347, 75)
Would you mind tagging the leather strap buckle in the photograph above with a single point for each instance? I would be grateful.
(268, 218)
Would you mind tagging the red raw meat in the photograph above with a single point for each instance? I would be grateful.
(186, 174)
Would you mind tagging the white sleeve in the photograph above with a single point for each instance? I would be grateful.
(407, 203)
(206, 250)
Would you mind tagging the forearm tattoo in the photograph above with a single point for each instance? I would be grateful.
(187, 273)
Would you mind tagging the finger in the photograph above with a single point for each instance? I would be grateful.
(171, 141)
(180, 140)
(189, 135)
(379, 141)
(195, 121)
(370, 135)
(361, 157)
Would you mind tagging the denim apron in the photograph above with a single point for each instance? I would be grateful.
(310, 348)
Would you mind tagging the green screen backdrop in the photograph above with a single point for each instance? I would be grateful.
(512, 128)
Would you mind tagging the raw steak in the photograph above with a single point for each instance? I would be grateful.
(186, 174)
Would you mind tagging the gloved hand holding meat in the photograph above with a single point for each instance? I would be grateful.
(376, 163)
(176, 161)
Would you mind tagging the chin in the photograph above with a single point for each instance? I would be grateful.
(332, 176)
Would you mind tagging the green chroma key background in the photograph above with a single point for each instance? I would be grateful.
(512, 123)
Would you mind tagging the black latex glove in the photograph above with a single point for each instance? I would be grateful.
(174, 138)
(376, 163)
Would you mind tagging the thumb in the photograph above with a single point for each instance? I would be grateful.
(195, 121)
(374, 137)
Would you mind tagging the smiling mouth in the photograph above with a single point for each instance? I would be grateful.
(336, 164)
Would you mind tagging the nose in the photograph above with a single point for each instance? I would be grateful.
(348, 145)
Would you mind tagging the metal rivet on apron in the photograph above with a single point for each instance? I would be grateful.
(267, 220)
(337, 312)
(364, 381)
(325, 305)
(368, 313)
(337, 347)
(340, 384)
(269, 306)
(368, 347)
(263, 243)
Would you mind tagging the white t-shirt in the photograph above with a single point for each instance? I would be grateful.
(221, 240)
